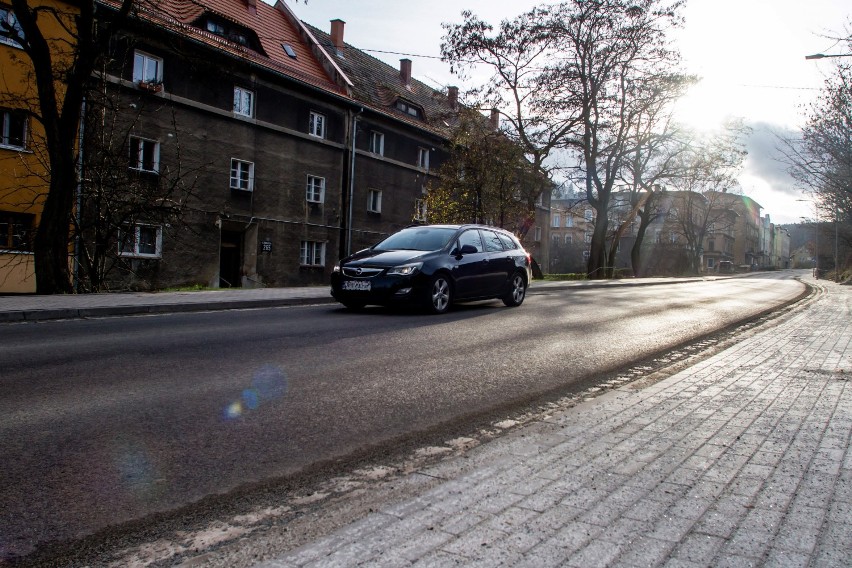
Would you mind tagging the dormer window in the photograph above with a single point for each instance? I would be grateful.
(409, 109)
(216, 28)
(230, 31)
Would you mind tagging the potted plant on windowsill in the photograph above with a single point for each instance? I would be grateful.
(151, 86)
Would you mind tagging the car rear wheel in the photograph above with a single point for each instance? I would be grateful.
(440, 294)
(517, 291)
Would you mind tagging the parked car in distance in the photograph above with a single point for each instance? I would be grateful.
(435, 266)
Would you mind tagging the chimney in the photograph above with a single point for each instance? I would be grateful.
(453, 95)
(337, 33)
(405, 71)
(252, 7)
(495, 119)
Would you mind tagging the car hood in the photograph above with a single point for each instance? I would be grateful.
(385, 258)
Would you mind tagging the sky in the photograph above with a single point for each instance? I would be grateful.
(750, 55)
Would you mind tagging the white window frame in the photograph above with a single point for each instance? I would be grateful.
(374, 201)
(6, 130)
(138, 161)
(312, 253)
(419, 209)
(315, 189)
(316, 124)
(569, 239)
(423, 158)
(555, 221)
(587, 237)
(589, 215)
(244, 98)
(141, 73)
(569, 221)
(237, 180)
(377, 143)
(537, 234)
(8, 15)
(137, 231)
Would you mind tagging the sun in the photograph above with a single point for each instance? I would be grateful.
(705, 107)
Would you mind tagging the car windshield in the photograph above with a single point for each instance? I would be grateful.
(418, 238)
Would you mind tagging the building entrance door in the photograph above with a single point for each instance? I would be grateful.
(230, 259)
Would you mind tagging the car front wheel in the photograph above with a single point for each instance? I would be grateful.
(517, 291)
(440, 294)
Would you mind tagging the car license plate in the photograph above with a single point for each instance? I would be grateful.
(361, 285)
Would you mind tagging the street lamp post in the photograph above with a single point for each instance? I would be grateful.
(816, 238)
(823, 56)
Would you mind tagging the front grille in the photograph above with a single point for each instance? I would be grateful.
(362, 272)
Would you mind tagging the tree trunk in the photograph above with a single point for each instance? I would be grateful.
(50, 246)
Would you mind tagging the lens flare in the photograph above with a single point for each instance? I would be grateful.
(268, 383)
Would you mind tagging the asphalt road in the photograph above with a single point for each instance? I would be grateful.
(113, 419)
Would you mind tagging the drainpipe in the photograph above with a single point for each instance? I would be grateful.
(353, 132)
(79, 205)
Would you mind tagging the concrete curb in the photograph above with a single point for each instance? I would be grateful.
(59, 313)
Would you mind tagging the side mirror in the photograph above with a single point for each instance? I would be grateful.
(466, 249)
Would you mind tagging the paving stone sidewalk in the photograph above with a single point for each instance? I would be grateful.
(741, 460)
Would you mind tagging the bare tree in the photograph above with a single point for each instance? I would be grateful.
(61, 66)
(576, 76)
(132, 189)
(706, 171)
(486, 179)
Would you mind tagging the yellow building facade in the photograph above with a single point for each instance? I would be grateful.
(24, 167)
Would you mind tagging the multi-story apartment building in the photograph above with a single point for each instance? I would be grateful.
(293, 147)
(744, 213)
(24, 180)
(571, 227)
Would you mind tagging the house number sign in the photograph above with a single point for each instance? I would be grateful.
(265, 246)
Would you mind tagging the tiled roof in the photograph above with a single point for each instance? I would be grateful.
(378, 86)
(349, 72)
(271, 24)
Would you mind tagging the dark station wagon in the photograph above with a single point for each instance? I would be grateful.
(435, 266)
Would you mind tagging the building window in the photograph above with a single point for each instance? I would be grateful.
(556, 220)
(14, 129)
(711, 262)
(315, 192)
(569, 221)
(312, 253)
(16, 231)
(141, 241)
(569, 239)
(587, 238)
(374, 201)
(423, 158)
(711, 246)
(537, 234)
(9, 19)
(147, 68)
(243, 102)
(673, 237)
(409, 109)
(555, 239)
(589, 215)
(144, 155)
(242, 175)
(586, 254)
(419, 209)
(316, 125)
(377, 143)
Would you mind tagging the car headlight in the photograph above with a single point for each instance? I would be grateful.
(336, 268)
(405, 269)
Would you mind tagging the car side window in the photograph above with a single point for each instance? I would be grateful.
(508, 243)
(471, 238)
(491, 241)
